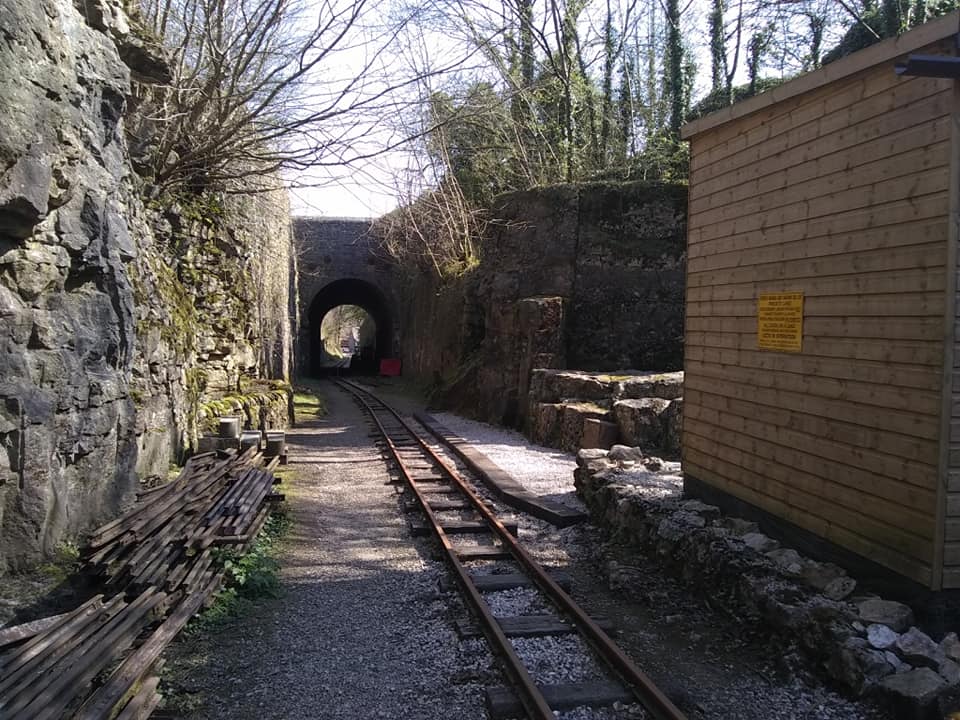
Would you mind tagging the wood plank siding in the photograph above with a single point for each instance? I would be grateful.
(839, 189)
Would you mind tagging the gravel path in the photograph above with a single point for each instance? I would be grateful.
(359, 632)
(711, 665)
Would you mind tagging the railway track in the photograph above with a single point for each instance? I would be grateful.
(453, 511)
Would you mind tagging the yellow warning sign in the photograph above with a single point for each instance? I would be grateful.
(780, 322)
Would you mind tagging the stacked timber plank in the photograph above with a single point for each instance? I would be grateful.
(157, 566)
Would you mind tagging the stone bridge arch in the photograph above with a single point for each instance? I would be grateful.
(339, 263)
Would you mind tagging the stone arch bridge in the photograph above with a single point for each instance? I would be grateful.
(339, 263)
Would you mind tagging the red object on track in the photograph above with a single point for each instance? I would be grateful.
(390, 367)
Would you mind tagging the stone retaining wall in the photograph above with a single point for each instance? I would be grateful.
(572, 409)
(862, 642)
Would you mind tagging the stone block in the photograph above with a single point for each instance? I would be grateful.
(639, 421)
(599, 434)
(913, 693)
(572, 419)
(881, 637)
(672, 420)
(544, 424)
(667, 386)
(919, 650)
(896, 616)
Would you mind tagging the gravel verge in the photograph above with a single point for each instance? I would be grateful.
(360, 631)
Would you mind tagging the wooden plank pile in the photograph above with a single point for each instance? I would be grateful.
(157, 565)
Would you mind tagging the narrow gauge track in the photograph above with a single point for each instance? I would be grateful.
(438, 487)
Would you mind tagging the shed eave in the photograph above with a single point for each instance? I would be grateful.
(886, 50)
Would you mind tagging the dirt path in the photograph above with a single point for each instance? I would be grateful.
(358, 632)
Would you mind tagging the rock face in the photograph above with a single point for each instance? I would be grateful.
(67, 422)
(584, 276)
(100, 373)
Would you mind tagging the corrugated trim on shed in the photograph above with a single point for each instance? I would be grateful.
(839, 188)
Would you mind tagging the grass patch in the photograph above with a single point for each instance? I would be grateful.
(64, 563)
(308, 403)
(249, 577)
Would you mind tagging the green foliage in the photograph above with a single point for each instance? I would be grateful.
(889, 18)
(472, 139)
(65, 562)
(720, 99)
(249, 577)
(263, 392)
(308, 403)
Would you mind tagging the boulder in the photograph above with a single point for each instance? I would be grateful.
(894, 615)
(859, 667)
(918, 649)
(950, 646)
(912, 693)
(881, 637)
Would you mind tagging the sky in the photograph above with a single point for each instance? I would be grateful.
(370, 188)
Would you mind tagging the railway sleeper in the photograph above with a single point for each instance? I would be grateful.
(461, 527)
(503, 703)
(482, 552)
(437, 505)
(529, 626)
(505, 581)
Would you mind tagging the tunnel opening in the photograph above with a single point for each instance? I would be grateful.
(351, 329)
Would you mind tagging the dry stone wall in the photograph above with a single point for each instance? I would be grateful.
(106, 303)
(825, 622)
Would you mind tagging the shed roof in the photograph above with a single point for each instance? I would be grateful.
(886, 50)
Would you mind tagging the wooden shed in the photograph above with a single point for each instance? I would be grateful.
(822, 383)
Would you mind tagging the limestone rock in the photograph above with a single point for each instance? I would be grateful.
(668, 386)
(917, 648)
(599, 434)
(840, 588)
(640, 422)
(572, 420)
(760, 542)
(788, 560)
(950, 646)
(544, 424)
(672, 421)
(625, 453)
(881, 637)
(859, 667)
(913, 691)
(950, 671)
(896, 616)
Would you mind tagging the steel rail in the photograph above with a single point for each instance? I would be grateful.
(532, 699)
(643, 688)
